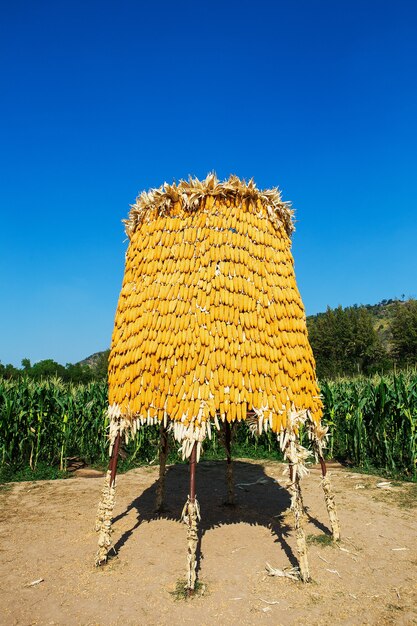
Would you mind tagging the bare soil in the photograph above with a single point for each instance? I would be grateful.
(47, 533)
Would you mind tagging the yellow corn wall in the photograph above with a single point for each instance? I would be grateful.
(210, 318)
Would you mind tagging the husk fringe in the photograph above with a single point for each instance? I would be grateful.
(197, 431)
(190, 193)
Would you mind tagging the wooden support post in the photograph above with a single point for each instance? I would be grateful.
(106, 506)
(323, 466)
(163, 453)
(191, 516)
(318, 437)
(113, 460)
(298, 511)
(193, 462)
(329, 500)
(229, 464)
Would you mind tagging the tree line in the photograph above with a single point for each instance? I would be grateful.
(347, 341)
(364, 339)
(48, 368)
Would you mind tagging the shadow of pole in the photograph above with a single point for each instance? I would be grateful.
(261, 501)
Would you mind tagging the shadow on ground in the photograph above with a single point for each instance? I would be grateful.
(260, 500)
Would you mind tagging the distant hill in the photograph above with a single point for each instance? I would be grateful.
(97, 362)
(92, 360)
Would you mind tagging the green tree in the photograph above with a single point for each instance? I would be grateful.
(26, 364)
(329, 334)
(8, 371)
(344, 342)
(48, 368)
(364, 347)
(404, 333)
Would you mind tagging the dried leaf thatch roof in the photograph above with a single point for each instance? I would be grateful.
(186, 196)
(210, 321)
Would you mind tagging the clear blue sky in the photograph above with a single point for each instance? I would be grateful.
(101, 100)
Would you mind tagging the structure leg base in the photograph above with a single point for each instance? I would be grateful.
(105, 508)
(103, 521)
(331, 507)
(191, 516)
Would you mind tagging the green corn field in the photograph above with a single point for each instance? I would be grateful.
(51, 420)
(372, 424)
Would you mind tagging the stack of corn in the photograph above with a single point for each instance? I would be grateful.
(210, 323)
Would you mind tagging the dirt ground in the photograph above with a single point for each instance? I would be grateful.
(47, 533)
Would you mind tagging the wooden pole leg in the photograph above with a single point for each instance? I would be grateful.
(318, 435)
(191, 516)
(229, 464)
(106, 506)
(329, 500)
(298, 511)
(163, 454)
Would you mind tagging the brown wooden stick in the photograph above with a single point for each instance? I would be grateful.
(106, 506)
(229, 463)
(298, 511)
(113, 460)
(193, 462)
(323, 466)
(192, 517)
(329, 500)
(163, 453)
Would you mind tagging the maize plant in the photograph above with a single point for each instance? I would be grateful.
(50, 420)
(372, 423)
